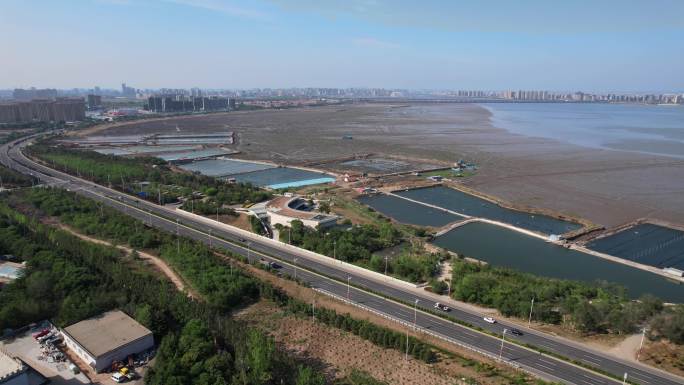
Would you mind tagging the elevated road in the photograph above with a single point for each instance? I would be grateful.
(392, 300)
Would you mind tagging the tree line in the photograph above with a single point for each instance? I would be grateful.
(598, 308)
(148, 177)
(358, 243)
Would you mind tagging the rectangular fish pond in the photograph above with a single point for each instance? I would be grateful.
(471, 205)
(503, 247)
(646, 243)
(408, 212)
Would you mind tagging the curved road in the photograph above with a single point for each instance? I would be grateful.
(323, 275)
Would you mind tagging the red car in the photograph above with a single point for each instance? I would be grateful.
(41, 333)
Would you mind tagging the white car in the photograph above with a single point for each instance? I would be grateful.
(490, 320)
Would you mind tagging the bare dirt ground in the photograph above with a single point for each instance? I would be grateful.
(240, 221)
(665, 355)
(341, 352)
(606, 187)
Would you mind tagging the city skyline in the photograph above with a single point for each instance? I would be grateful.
(616, 47)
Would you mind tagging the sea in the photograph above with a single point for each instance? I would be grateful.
(637, 128)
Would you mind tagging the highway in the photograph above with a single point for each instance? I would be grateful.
(330, 278)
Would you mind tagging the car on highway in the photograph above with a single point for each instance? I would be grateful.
(516, 332)
(489, 320)
(442, 307)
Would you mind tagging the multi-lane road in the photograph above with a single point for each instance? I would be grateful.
(392, 300)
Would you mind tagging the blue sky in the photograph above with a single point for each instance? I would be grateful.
(600, 45)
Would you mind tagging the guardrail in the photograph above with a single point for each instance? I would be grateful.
(423, 330)
(294, 249)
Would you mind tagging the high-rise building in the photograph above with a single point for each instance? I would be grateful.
(94, 101)
(33, 93)
(43, 110)
(126, 91)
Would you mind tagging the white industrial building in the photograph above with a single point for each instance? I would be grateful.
(12, 371)
(109, 337)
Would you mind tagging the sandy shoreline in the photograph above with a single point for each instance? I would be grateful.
(604, 186)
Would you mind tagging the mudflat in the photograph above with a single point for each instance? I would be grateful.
(607, 187)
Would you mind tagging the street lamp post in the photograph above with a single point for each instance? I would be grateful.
(641, 345)
(529, 321)
(624, 379)
(295, 269)
(249, 250)
(385, 265)
(503, 339)
(348, 288)
(448, 288)
(178, 234)
(415, 313)
(335, 249)
(210, 238)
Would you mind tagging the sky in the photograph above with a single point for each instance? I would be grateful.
(588, 45)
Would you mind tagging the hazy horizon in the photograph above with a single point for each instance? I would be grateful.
(613, 46)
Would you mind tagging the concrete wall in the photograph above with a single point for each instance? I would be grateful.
(122, 353)
(78, 350)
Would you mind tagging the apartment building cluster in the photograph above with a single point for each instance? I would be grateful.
(183, 103)
(590, 97)
(59, 109)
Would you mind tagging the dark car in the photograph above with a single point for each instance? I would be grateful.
(516, 332)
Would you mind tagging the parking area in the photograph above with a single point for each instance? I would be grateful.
(46, 358)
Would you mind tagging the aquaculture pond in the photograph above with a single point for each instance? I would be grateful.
(224, 167)
(408, 212)
(646, 243)
(283, 177)
(503, 247)
(471, 205)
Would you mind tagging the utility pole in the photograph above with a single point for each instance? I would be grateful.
(641, 345)
(178, 234)
(313, 309)
(348, 288)
(503, 339)
(407, 344)
(529, 321)
(335, 249)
